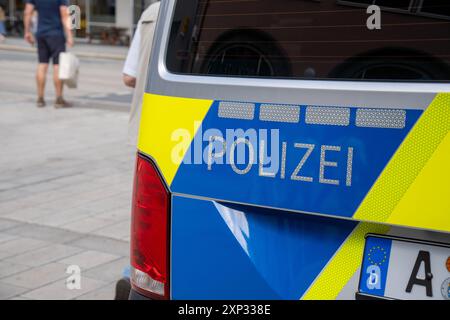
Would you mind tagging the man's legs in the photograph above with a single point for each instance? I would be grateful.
(58, 83)
(59, 102)
(58, 45)
(41, 75)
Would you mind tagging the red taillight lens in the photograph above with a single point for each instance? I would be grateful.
(150, 231)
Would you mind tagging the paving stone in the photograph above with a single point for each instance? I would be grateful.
(38, 277)
(108, 204)
(58, 290)
(44, 255)
(8, 195)
(50, 234)
(19, 298)
(35, 199)
(21, 245)
(82, 190)
(87, 225)
(9, 268)
(62, 217)
(11, 206)
(28, 214)
(73, 179)
(8, 184)
(105, 293)
(6, 224)
(109, 272)
(41, 187)
(113, 246)
(63, 203)
(118, 230)
(4, 254)
(35, 177)
(89, 259)
(6, 237)
(8, 291)
(119, 214)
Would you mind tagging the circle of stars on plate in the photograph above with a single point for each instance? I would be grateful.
(377, 255)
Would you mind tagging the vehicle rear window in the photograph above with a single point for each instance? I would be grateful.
(401, 40)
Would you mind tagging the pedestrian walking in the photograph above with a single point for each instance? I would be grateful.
(53, 33)
(2, 24)
(136, 65)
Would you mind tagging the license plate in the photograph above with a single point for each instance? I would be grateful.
(405, 269)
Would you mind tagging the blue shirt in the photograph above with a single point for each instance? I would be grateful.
(49, 17)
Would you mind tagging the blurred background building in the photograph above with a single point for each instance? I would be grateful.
(102, 21)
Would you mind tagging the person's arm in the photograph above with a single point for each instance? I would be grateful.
(66, 22)
(28, 12)
(131, 63)
(129, 81)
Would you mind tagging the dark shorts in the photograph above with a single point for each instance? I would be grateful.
(49, 47)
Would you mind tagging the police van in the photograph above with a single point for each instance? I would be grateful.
(295, 149)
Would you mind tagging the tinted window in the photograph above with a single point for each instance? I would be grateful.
(398, 4)
(438, 7)
(309, 39)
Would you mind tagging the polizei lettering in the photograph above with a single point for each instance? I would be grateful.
(263, 150)
(271, 158)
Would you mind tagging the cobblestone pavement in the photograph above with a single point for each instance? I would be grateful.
(65, 190)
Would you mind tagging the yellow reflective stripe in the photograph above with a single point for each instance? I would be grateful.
(165, 122)
(343, 265)
(427, 201)
(405, 166)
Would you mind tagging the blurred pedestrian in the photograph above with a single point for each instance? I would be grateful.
(2, 24)
(136, 65)
(52, 35)
(17, 23)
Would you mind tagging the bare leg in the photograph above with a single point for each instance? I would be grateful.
(58, 83)
(40, 79)
(59, 102)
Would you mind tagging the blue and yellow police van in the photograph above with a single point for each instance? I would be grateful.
(295, 149)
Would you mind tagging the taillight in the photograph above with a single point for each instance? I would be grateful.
(150, 232)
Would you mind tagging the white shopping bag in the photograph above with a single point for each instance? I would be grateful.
(69, 66)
